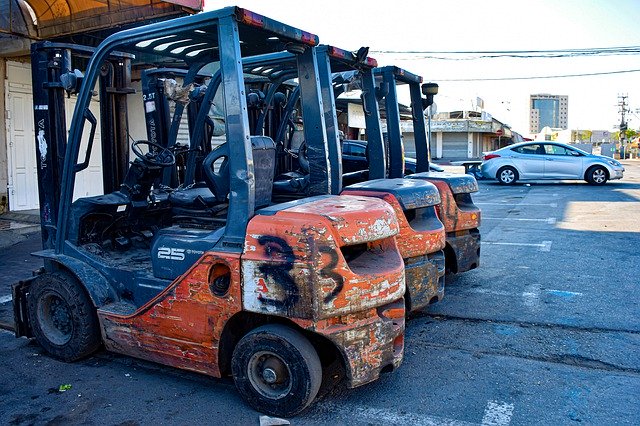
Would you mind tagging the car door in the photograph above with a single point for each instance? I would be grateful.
(562, 162)
(354, 157)
(529, 160)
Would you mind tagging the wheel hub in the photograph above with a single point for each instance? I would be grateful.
(269, 375)
(55, 318)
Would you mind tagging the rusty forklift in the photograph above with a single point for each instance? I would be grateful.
(269, 293)
(460, 216)
(279, 108)
(422, 236)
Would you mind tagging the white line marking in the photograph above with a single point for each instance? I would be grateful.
(504, 203)
(563, 293)
(491, 292)
(544, 246)
(5, 299)
(497, 414)
(549, 220)
(380, 416)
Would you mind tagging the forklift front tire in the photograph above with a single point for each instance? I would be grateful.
(276, 370)
(62, 317)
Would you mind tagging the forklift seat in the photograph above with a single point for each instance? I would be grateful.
(215, 189)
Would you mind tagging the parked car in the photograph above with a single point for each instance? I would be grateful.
(354, 158)
(548, 160)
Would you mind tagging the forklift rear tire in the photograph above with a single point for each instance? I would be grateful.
(276, 370)
(62, 317)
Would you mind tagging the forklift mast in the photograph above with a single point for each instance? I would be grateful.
(54, 78)
(390, 76)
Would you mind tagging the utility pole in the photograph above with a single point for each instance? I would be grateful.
(623, 110)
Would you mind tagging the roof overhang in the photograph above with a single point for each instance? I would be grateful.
(46, 19)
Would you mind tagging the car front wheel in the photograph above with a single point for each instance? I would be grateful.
(597, 175)
(507, 175)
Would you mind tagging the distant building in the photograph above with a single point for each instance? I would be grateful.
(456, 135)
(548, 111)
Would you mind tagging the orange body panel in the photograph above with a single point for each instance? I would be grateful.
(181, 327)
(453, 216)
(411, 242)
(424, 274)
(297, 264)
(369, 340)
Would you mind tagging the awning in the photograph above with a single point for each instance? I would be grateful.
(43, 19)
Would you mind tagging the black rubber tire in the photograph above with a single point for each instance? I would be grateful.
(303, 370)
(507, 171)
(62, 317)
(597, 175)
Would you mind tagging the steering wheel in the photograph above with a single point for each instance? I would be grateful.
(158, 156)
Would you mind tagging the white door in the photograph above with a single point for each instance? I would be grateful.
(88, 181)
(23, 177)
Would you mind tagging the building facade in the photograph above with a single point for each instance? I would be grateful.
(548, 111)
(26, 21)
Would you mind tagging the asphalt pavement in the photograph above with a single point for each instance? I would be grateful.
(546, 331)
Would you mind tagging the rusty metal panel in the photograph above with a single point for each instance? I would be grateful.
(181, 327)
(369, 340)
(453, 217)
(424, 275)
(465, 245)
(411, 242)
(297, 263)
(425, 280)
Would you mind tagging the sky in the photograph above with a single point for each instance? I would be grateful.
(489, 25)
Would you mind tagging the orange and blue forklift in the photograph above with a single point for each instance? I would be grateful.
(460, 216)
(269, 293)
(421, 238)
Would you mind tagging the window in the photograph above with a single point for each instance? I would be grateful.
(358, 151)
(555, 150)
(529, 149)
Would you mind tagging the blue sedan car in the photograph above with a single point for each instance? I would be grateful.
(548, 160)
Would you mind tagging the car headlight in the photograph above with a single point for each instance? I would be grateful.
(614, 163)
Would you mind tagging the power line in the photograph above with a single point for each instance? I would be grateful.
(538, 76)
(521, 54)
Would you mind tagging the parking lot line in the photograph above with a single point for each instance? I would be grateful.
(381, 416)
(564, 293)
(5, 299)
(497, 414)
(549, 220)
(531, 294)
(505, 203)
(543, 246)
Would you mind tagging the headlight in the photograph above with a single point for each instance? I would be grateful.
(613, 163)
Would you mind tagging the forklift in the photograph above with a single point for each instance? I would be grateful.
(458, 213)
(422, 236)
(272, 294)
(275, 100)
